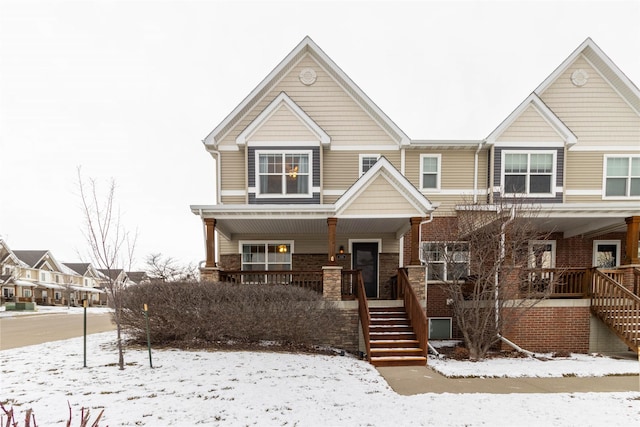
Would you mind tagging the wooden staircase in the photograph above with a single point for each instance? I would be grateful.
(618, 308)
(392, 339)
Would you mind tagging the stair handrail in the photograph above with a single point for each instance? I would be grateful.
(412, 306)
(363, 311)
(607, 294)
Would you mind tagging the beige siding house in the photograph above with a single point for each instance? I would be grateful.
(311, 176)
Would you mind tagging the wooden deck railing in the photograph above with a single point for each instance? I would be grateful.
(307, 279)
(363, 310)
(414, 310)
(564, 282)
(350, 283)
(618, 307)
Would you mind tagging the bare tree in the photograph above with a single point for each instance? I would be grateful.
(167, 269)
(111, 246)
(482, 267)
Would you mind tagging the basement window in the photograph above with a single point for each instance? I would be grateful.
(440, 328)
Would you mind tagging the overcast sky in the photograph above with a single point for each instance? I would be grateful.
(129, 89)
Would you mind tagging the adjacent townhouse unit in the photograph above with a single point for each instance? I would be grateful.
(35, 276)
(317, 187)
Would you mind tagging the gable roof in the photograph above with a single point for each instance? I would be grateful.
(605, 66)
(30, 257)
(305, 47)
(283, 99)
(383, 168)
(544, 111)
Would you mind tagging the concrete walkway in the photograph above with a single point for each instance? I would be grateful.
(410, 380)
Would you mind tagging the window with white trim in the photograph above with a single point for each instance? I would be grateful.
(606, 253)
(528, 173)
(266, 256)
(622, 176)
(283, 174)
(430, 171)
(367, 161)
(542, 254)
(446, 261)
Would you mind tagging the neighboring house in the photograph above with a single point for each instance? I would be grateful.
(314, 182)
(36, 276)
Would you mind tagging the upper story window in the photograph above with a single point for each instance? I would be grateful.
(43, 276)
(622, 176)
(446, 261)
(430, 171)
(367, 161)
(284, 174)
(528, 173)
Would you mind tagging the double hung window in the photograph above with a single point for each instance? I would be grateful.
(430, 172)
(446, 261)
(266, 256)
(622, 176)
(284, 174)
(528, 173)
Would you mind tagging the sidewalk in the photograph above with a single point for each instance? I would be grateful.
(410, 380)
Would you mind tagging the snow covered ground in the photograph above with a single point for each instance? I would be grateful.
(264, 389)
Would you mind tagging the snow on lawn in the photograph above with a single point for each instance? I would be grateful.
(544, 365)
(263, 388)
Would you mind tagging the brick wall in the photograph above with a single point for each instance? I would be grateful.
(437, 307)
(551, 328)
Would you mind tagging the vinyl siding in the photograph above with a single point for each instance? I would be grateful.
(283, 125)
(327, 104)
(380, 198)
(342, 168)
(232, 172)
(530, 127)
(456, 175)
(585, 173)
(595, 113)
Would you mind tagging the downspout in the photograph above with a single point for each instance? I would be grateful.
(430, 347)
(496, 279)
(475, 173)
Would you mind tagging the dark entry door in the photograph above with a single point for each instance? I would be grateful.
(365, 258)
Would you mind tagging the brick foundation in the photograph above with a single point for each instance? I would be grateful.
(551, 326)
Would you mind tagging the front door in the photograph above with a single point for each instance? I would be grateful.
(365, 258)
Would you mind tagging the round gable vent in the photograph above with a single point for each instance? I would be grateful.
(308, 76)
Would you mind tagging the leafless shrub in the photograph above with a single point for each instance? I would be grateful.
(30, 417)
(460, 353)
(187, 313)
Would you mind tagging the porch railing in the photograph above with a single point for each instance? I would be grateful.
(558, 282)
(618, 307)
(414, 310)
(308, 279)
(363, 310)
(350, 285)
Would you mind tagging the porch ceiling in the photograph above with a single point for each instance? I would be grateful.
(260, 221)
(588, 220)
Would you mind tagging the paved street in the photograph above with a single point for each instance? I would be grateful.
(19, 331)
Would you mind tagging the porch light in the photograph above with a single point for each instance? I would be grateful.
(341, 250)
(282, 249)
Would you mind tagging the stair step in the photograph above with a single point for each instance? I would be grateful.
(393, 343)
(398, 361)
(389, 320)
(390, 328)
(392, 336)
(396, 352)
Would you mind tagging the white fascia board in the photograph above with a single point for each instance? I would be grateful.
(264, 116)
(546, 113)
(269, 210)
